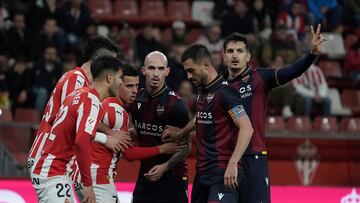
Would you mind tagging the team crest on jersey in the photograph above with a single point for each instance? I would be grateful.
(90, 125)
(160, 109)
(210, 97)
(246, 78)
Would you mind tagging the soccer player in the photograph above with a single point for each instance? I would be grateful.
(72, 132)
(162, 178)
(104, 162)
(69, 82)
(223, 130)
(254, 86)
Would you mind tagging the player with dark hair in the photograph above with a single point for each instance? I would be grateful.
(69, 82)
(223, 131)
(104, 162)
(254, 86)
(71, 135)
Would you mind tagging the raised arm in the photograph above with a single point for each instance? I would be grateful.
(294, 70)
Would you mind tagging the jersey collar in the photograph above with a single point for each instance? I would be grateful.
(84, 74)
(246, 72)
(145, 96)
(214, 84)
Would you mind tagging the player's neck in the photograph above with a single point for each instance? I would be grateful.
(153, 91)
(103, 90)
(86, 68)
(235, 72)
(211, 77)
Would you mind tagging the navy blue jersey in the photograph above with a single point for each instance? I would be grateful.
(254, 86)
(215, 129)
(150, 114)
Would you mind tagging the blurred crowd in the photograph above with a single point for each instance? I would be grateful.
(40, 40)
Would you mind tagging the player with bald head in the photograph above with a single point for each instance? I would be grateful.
(162, 178)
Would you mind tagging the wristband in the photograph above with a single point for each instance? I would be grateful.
(100, 138)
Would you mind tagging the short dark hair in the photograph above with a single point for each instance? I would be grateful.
(129, 70)
(104, 64)
(95, 43)
(101, 52)
(197, 53)
(235, 37)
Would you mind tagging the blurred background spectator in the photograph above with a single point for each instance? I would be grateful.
(311, 88)
(47, 72)
(19, 83)
(282, 97)
(49, 35)
(326, 12)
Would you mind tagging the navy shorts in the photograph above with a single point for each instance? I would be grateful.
(210, 192)
(167, 189)
(256, 183)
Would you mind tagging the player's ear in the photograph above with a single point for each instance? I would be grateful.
(109, 77)
(143, 70)
(167, 71)
(206, 64)
(248, 55)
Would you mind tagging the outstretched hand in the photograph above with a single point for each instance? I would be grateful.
(316, 39)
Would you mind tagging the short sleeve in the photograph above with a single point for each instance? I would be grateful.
(229, 98)
(179, 115)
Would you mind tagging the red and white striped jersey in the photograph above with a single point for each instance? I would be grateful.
(104, 162)
(71, 134)
(68, 83)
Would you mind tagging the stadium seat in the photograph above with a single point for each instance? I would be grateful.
(350, 39)
(275, 123)
(349, 124)
(336, 106)
(299, 123)
(152, 10)
(193, 35)
(126, 9)
(328, 124)
(16, 139)
(202, 11)
(331, 69)
(5, 115)
(27, 116)
(179, 10)
(100, 8)
(334, 48)
(21, 158)
(351, 98)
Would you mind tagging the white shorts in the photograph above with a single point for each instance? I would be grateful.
(56, 189)
(104, 193)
